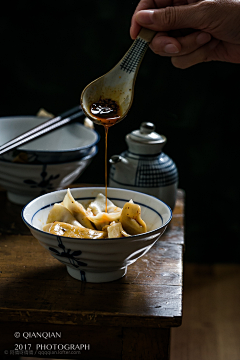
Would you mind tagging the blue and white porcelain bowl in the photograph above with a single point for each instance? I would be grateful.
(101, 260)
(24, 182)
(68, 143)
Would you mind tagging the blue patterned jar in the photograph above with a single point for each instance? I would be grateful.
(144, 167)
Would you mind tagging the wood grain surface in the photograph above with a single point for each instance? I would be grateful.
(36, 291)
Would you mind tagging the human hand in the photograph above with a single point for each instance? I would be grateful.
(214, 34)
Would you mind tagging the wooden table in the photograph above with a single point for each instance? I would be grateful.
(45, 312)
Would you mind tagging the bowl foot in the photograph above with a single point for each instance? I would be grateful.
(96, 277)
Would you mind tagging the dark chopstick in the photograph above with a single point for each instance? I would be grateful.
(42, 129)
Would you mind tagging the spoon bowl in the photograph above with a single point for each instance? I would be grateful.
(118, 83)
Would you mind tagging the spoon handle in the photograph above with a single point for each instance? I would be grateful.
(146, 34)
(132, 59)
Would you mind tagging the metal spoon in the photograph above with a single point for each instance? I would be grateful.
(118, 83)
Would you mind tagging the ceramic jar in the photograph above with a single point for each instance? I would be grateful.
(144, 167)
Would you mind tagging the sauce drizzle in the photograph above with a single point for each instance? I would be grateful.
(106, 135)
(107, 112)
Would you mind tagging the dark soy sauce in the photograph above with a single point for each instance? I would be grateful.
(107, 112)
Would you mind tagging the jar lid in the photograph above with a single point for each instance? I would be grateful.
(146, 134)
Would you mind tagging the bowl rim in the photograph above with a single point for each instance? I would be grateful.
(54, 151)
(139, 236)
(86, 157)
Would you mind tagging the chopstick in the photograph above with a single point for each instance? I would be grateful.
(42, 129)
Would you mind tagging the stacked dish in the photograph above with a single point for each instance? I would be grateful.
(48, 163)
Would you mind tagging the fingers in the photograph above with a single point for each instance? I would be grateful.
(185, 51)
(135, 27)
(203, 54)
(172, 17)
(164, 45)
(145, 5)
(169, 46)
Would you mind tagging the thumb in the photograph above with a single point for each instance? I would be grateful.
(172, 17)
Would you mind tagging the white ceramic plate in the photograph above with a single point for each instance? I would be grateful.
(67, 143)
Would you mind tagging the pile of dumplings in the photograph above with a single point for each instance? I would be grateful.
(71, 219)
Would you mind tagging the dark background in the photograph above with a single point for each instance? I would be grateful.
(51, 51)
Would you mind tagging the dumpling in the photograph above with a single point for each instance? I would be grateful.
(67, 230)
(77, 210)
(99, 205)
(60, 213)
(115, 230)
(131, 219)
(96, 212)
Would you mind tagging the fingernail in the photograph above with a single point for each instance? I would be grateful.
(171, 49)
(144, 17)
(203, 38)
